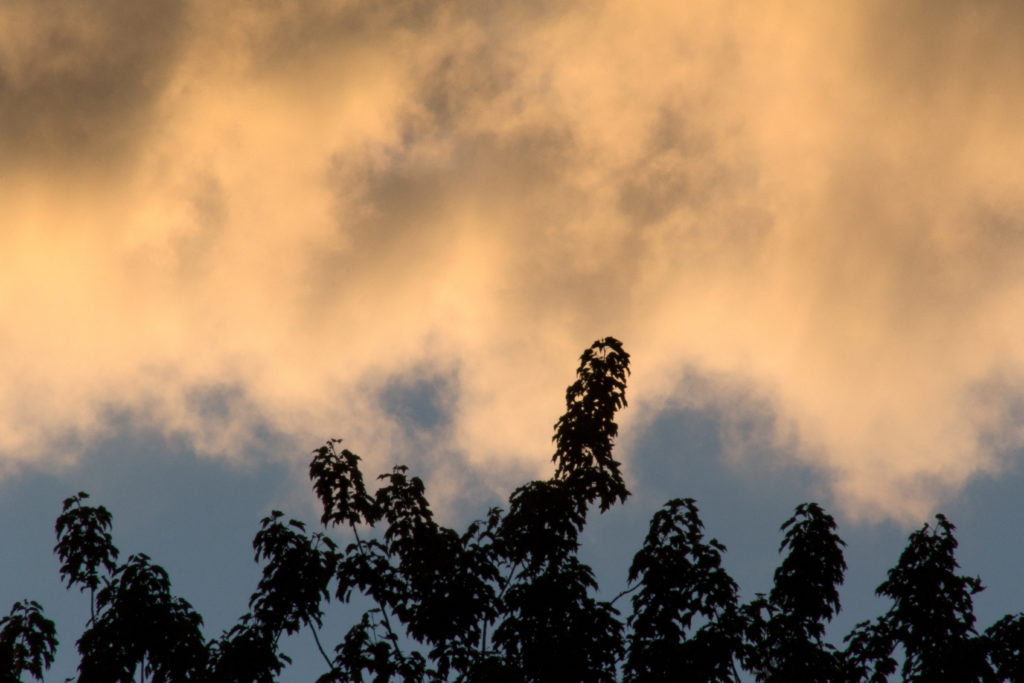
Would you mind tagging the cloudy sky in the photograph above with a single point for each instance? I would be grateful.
(231, 230)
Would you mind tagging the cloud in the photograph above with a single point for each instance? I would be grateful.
(78, 80)
(229, 217)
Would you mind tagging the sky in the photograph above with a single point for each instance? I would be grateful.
(232, 230)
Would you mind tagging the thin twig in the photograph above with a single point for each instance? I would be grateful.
(501, 594)
(383, 607)
(508, 579)
(391, 632)
(625, 592)
(319, 646)
(362, 552)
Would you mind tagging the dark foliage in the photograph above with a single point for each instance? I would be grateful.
(508, 599)
(932, 616)
(685, 616)
(139, 624)
(786, 629)
(84, 544)
(27, 642)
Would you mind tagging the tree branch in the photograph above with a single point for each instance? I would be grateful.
(625, 592)
(319, 646)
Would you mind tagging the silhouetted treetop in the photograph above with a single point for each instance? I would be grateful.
(508, 599)
(585, 434)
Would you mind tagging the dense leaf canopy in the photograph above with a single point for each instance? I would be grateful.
(508, 598)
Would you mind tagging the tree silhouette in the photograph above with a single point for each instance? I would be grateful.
(680, 579)
(508, 599)
(27, 642)
(786, 629)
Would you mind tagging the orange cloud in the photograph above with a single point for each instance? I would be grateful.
(289, 208)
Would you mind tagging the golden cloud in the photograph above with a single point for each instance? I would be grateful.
(301, 203)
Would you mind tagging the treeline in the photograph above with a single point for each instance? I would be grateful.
(508, 600)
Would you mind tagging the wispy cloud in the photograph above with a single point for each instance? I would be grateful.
(815, 207)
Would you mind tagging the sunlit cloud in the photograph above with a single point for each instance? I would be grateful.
(228, 217)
